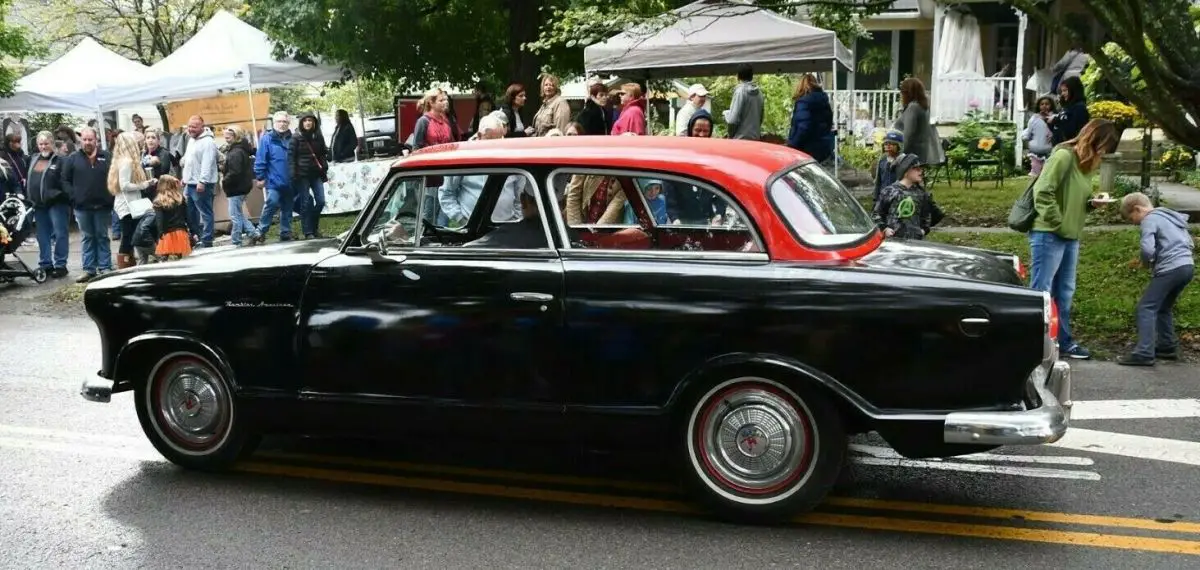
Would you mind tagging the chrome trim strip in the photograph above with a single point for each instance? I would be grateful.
(97, 390)
(975, 321)
(660, 255)
(1044, 424)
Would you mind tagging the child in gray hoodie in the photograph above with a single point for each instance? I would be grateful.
(1167, 250)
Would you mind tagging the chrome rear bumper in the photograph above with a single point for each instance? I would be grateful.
(97, 390)
(1044, 424)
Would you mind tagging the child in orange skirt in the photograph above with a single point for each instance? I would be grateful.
(174, 239)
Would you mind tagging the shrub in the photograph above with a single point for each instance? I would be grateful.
(1175, 160)
(1124, 115)
(979, 138)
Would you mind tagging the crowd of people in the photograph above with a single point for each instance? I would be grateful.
(158, 201)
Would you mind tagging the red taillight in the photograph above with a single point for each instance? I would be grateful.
(1019, 267)
(1053, 324)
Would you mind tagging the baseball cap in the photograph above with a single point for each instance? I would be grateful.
(894, 137)
(697, 89)
(906, 162)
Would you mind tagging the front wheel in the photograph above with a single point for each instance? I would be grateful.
(188, 411)
(760, 452)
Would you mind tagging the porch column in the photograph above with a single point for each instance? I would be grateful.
(894, 79)
(939, 14)
(1018, 96)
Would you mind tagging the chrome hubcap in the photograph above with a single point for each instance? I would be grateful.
(192, 403)
(754, 440)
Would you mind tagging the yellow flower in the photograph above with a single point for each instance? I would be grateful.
(986, 144)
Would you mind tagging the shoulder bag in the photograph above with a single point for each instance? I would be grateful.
(1023, 214)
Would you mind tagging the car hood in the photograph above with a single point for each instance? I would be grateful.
(227, 260)
(952, 260)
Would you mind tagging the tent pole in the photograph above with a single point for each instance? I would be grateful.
(102, 129)
(253, 115)
(837, 126)
(362, 114)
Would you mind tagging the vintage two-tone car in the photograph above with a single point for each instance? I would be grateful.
(727, 301)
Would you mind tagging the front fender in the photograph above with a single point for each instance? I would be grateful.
(136, 359)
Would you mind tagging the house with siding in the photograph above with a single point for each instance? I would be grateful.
(984, 34)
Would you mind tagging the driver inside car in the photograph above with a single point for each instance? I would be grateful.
(525, 234)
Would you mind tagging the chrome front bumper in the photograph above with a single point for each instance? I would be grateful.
(97, 390)
(1044, 424)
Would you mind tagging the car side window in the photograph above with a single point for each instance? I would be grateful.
(644, 211)
(396, 220)
(447, 211)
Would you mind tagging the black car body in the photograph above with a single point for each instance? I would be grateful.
(804, 319)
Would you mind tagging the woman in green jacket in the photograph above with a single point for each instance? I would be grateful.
(1062, 197)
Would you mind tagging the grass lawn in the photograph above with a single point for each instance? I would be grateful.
(1107, 289)
(985, 204)
(331, 226)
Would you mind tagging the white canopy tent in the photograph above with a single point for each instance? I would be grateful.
(72, 83)
(714, 37)
(226, 55)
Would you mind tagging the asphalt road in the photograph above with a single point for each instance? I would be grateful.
(82, 488)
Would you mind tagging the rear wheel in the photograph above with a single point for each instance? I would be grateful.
(758, 451)
(40, 275)
(187, 409)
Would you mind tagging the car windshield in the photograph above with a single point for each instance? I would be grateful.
(820, 211)
(381, 124)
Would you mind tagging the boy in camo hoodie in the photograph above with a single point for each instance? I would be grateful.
(905, 209)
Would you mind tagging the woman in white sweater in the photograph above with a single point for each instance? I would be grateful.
(127, 182)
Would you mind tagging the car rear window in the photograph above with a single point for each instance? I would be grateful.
(819, 210)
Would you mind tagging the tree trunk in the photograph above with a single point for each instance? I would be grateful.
(524, 21)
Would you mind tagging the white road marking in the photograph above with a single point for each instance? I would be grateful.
(1135, 409)
(1039, 472)
(887, 452)
(887, 457)
(1139, 446)
(106, 452)
(70, 435)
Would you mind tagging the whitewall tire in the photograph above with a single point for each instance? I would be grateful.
(759, 451)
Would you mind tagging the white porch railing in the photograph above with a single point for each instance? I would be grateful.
(860, 112)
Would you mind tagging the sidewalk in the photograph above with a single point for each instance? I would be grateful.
(1180, 197)
(25, 289)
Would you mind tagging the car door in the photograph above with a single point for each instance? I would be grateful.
(429, 324)
(638, 314)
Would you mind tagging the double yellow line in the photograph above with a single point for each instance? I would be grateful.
(872, 522)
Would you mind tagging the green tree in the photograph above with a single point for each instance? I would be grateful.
(378, 96)
(15, 44)
(1160, 38)
(417, 42)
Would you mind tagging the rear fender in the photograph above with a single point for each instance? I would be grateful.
(137, 358)
(854, 407)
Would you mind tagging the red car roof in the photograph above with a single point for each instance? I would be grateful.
(741, 168)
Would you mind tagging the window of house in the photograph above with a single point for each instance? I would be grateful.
(649, 212)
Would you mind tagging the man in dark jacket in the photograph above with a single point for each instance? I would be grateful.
(309, 169)
(85, 179)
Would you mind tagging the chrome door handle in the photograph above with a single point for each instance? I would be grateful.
(531, 297)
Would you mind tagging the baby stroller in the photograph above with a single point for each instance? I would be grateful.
(16, 216)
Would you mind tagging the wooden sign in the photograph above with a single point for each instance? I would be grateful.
(221, 110)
